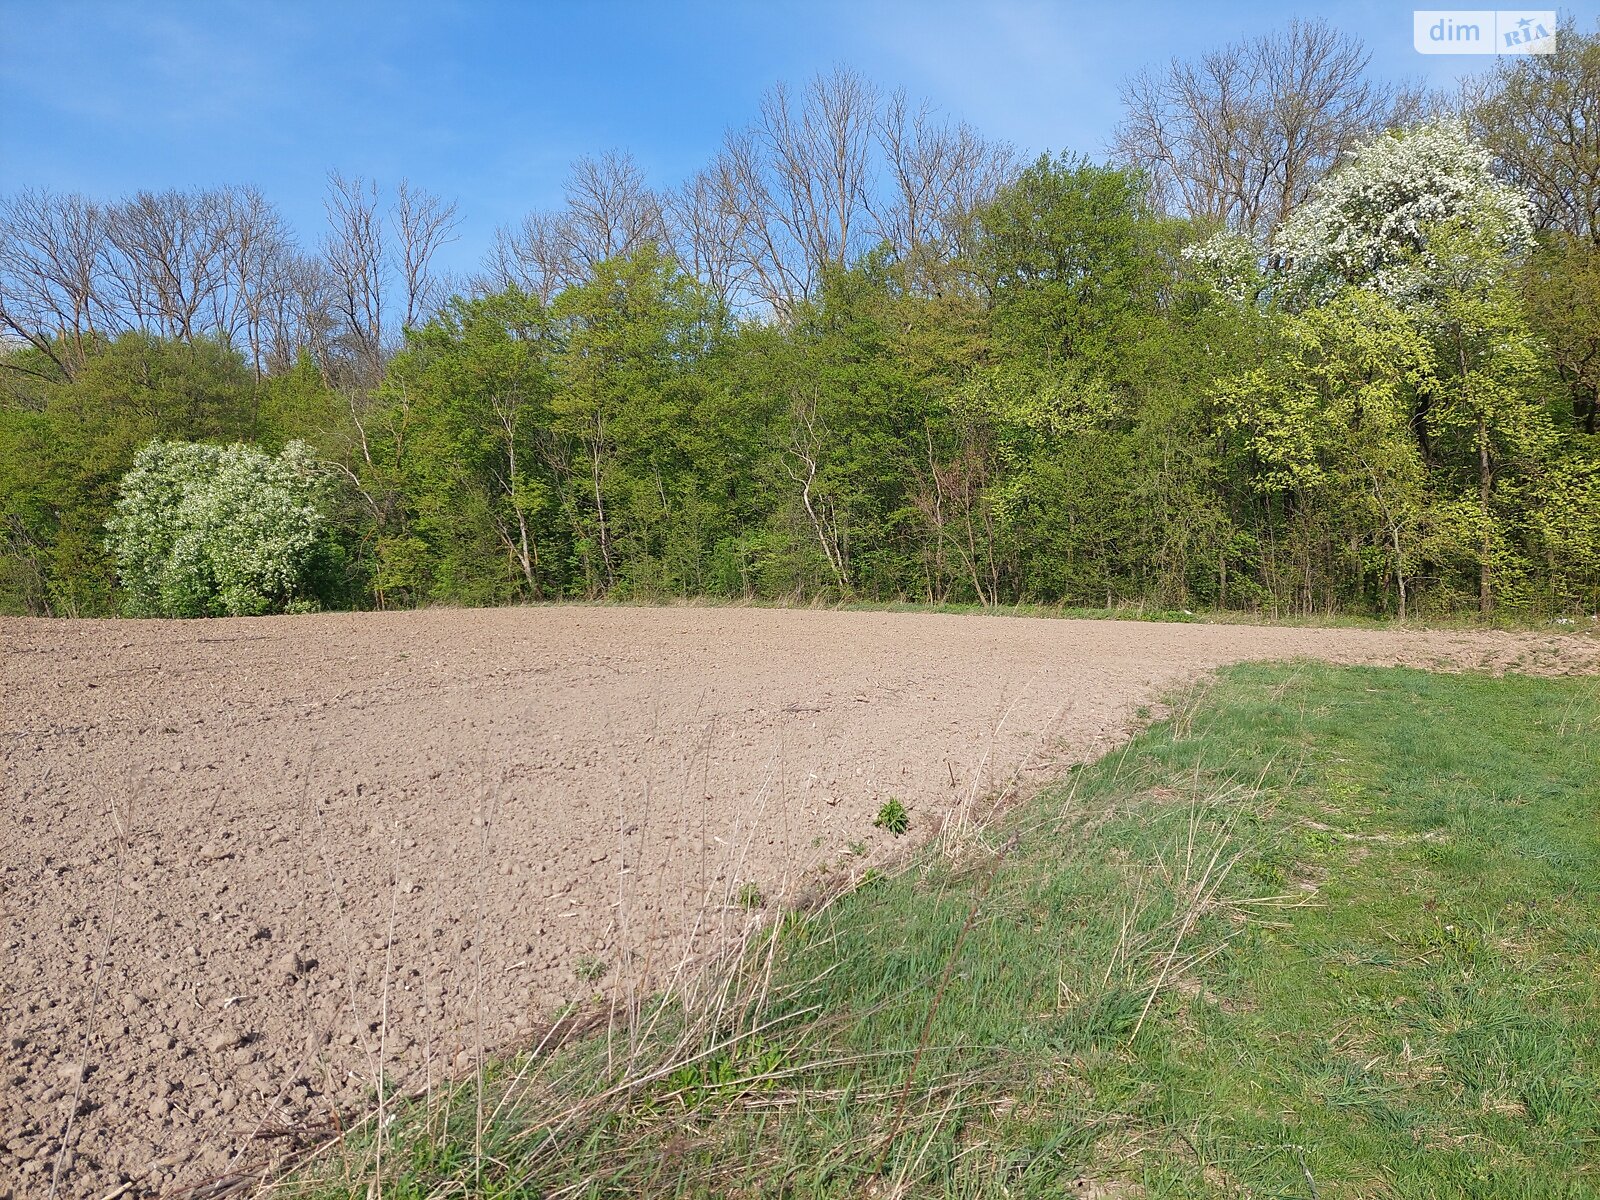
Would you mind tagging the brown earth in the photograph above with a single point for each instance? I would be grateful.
(246, 864)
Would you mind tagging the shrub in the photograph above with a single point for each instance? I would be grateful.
(201, 530)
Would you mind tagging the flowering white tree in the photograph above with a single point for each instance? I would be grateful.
(1370, 223)
(1420, 219)
(202, 530)
(1230, 263)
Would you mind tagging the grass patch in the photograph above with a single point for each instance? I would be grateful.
(1329, 932)
(1140, 611)
(1126, 610)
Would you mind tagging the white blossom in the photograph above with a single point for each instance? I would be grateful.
(1368, 223)
(202, 530)
(1230, 262)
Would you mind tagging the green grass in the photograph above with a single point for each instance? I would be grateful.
(1138, 610)
(1129, 610)
(1328, 933)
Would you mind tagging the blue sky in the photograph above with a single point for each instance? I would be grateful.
(489, 101)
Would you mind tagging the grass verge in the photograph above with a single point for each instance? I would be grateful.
(1328, 932)
(1130, 610)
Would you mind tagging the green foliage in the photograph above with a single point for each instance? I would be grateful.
(201, 530)
(1066, 254)
(1539, 115)
(1561, 289)
(1092, 405)
(892, 817)
(65, 445)
(1402, 427)
(462, 411)
(637, 410)
(1324, 429)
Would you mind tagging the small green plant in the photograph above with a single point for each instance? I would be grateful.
(859, 849)
(750, 896)
(590, 968)
(893, 817)
(793, 928)
(751, 1066)
(1270, 871)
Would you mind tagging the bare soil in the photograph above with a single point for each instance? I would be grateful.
(246, 865)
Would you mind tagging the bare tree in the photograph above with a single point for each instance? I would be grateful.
(710, 220)
(1540, 115)
(300, 317)
(423, 222)
(937, 175)
(211, 263)
(779, 278)
(257, 264)
(166, 261)
(784, 200)
(609, 211)
(819, 154)
(223, 263)
(529, 257)
(359, 270)
(1240, 135)
(50, 251)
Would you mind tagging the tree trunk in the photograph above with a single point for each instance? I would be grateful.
(525, 553)
(1485, 482)
(1399, 570)
(835, 558)
(600, 513)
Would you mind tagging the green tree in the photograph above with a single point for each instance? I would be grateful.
(632, 394)
(64, 446)
(1539, 115)
(1323, 427)
(1561, 290)
(868, 493)
(1066, 255)
(1489, 414)
(1089, 399)
(466, 410)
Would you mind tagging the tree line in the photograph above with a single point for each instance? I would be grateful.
(1307, 343)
